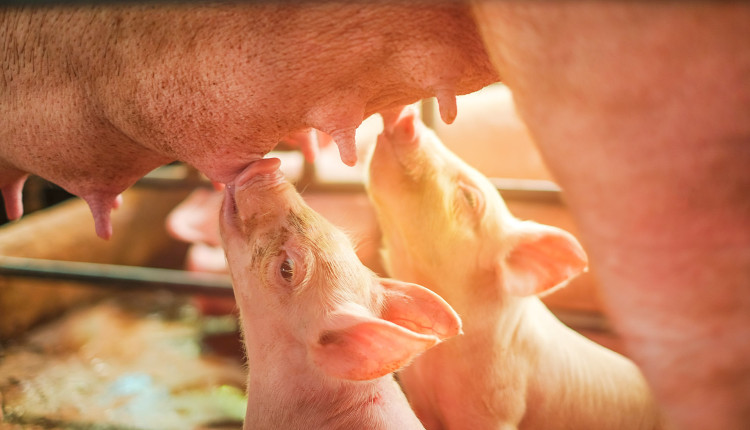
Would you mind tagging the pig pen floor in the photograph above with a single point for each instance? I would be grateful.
(135, 361)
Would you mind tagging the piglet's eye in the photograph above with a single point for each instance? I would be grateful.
(472, 196)
(286, 270)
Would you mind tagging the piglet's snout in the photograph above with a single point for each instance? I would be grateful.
(400, 138)
(256, 169)
(252, 190)
(228, 216)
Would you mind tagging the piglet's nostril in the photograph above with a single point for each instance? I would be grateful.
(229, 204)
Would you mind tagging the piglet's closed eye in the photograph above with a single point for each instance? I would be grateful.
(355, 345)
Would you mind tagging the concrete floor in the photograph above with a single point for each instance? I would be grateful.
(141, 361)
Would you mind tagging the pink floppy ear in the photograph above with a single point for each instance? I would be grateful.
(419, 309)
(355, 345)
(543, 257)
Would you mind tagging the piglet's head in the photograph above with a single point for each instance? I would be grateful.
(303, 293)
(445, 222)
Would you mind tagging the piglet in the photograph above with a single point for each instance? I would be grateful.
(323, 334)
(446, 227)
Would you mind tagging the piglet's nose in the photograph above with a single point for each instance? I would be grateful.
(264, 166)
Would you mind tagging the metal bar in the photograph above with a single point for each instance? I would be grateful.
(516, 189)
(183, 177)
(117, 276)
(580, 320)
(428, 111)
(174, 176)
(179, 281)
(528, 189)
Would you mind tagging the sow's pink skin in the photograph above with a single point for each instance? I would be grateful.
(94, 97)
(322, 332)
(641, 110)
(446, 227)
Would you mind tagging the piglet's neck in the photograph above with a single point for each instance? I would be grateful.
(286, 390)
(307, 401)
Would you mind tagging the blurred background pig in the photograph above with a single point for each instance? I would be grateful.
(516, 366)
(322, 332)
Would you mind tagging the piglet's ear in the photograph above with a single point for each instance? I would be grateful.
(415, 307)
(543, 258)
(356, 345)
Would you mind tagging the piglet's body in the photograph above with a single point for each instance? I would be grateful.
(323, 334)
(517, 366)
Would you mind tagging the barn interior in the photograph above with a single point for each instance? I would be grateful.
(140, 332)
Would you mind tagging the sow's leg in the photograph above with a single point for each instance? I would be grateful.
(642, 112)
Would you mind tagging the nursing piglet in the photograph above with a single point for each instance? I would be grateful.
(323, 333)
(446, 227)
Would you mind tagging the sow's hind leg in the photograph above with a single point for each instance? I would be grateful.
(641, 112)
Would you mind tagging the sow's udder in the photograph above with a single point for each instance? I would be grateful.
(128, 88)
